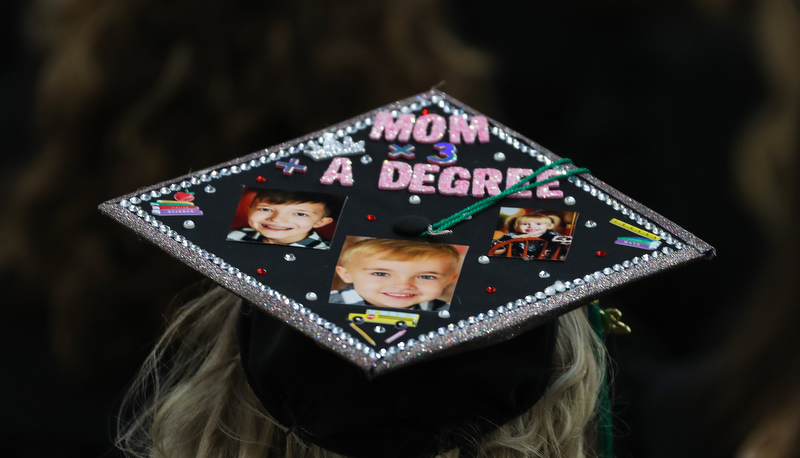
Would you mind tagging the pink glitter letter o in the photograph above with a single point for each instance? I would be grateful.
(438, 127)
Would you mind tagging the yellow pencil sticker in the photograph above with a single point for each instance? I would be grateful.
(634, 229)
(363, 334)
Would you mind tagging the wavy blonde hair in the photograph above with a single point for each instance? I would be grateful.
(191, 398)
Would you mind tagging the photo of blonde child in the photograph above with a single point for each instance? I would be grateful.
(286, 218)
(533, 234)
(398, 274)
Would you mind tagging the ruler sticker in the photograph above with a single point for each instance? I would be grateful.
(634, 229)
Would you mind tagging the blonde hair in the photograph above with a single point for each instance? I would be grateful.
(191, 397)
(401, 250)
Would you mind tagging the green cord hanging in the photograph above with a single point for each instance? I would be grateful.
(522, 185)
(605, 443)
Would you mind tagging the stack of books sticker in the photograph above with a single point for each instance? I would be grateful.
(174, 207)
(648, 241)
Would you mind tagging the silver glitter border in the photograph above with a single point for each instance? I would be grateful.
(496, 324)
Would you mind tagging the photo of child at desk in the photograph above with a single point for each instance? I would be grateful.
(533, 234)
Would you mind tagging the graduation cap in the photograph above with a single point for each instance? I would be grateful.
(392, 247)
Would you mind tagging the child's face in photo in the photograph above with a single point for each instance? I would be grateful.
(286, 223)
(398, 284)
(533, 227)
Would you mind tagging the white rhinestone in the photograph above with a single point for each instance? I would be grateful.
(590, 224)
(366, 159)
(544, 274)
(289, 257)
(569, 200)
(311, 296)
(483, 259)
(499, 157)
(444, 314)
(210, 189)
(415, 199)
(188, 224)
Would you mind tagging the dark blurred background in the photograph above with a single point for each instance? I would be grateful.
(690, 107)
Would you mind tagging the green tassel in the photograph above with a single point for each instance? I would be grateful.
(522, 185)
(605, 443)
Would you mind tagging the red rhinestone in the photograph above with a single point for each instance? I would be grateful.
(261, 271)
(261, 179)
(425, 111)
(601, 254)
(371, 217)
(491, 289)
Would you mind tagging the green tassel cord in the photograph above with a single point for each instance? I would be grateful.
(522, 185)
(605, 447)
(604, 437)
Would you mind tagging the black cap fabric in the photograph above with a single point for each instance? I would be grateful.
(426, 191)
(416, 411)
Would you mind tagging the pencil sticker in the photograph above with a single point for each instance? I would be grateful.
(363, 334)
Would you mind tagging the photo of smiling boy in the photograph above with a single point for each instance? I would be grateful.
(287, 218)
(397, 274)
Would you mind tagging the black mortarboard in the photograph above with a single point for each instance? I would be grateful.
(409, 239)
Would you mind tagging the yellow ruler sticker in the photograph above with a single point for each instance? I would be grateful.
(634, 229)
